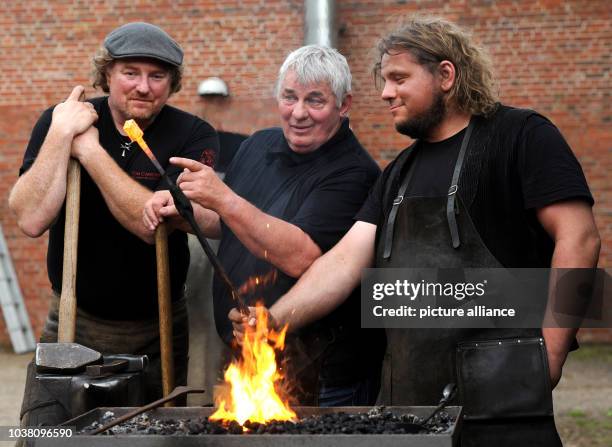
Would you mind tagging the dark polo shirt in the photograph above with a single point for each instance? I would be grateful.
(320, 192)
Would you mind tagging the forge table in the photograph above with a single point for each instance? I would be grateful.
(448, 439)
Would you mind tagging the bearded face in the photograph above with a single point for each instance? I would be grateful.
(416, 101)
(419, 126)
(138, 89)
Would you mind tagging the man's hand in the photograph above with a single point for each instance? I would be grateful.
(240, 321)
(201, 185)
(158, 207)
(73, 116)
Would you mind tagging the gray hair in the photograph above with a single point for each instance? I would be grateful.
(315, 63)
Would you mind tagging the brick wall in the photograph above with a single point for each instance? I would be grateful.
(549, 55)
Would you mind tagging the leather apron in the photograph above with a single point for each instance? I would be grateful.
(437, 232)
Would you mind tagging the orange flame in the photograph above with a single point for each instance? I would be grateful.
(253, 395)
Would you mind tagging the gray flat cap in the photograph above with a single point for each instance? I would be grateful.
(139, 39)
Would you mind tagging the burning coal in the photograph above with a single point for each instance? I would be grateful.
(252, 393)
(378, 420)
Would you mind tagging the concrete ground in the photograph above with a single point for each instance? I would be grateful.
(12, 380)
(583, 399)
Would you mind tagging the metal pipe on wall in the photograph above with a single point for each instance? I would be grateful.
(320, 23)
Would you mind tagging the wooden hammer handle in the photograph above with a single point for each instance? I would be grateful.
(68, 304)
(165, 310)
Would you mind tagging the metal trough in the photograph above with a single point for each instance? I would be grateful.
(447, 439)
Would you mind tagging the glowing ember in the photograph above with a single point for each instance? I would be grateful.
(133, 130)
(253, 285)
(252, 394)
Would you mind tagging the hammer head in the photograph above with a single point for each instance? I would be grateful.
(64, 358)
(132, 130)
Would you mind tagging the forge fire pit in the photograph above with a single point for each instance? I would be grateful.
(183, 420)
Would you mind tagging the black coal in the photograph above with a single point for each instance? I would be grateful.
(378, 420)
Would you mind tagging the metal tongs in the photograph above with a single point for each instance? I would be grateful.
(185, 209)
(447, 395)
(177, 392)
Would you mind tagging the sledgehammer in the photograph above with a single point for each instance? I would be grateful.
(66, 356)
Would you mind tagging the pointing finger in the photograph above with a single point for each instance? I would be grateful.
(187, 163)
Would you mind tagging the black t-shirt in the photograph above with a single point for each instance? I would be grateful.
(319, 192)
(229, 142)
(548, 170)
(116, 271)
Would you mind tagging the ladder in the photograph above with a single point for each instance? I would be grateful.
(15, 315)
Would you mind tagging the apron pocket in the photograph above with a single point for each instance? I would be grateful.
(504, 378)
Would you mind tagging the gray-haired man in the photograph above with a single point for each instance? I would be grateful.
(289, 195)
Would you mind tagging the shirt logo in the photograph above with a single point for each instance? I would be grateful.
(145, 175)
(208, 158)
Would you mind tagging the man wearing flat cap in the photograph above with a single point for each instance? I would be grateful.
(139, 67)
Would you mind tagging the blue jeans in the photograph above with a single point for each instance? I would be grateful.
(361, 393)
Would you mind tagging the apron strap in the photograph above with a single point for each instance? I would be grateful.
(393, 213)
(450, 204)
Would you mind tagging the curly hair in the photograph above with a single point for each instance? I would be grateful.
(432, 40)
(103, 61)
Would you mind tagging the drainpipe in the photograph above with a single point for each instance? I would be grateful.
(320, 23)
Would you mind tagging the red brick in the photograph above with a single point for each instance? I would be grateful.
(549, 55)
